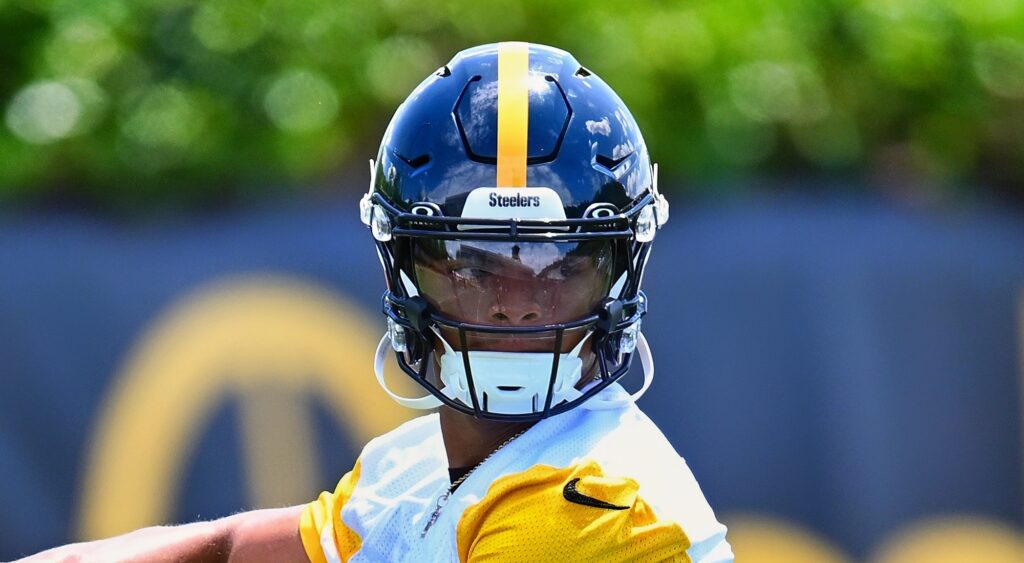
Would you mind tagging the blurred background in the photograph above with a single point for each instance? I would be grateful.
(188, 303)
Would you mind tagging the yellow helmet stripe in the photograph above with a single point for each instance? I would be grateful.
(513, 113)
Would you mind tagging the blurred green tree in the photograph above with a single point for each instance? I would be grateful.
(188, 102)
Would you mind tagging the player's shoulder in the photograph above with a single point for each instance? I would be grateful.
(606, 482)
(622, 441)
(414, 449)
(414, 433)
(575, 513)
(636, 448)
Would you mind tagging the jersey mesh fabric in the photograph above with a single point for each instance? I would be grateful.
(321, 522)
(527, 517)
(619, 455)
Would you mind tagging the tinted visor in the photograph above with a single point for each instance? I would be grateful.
(507, 284)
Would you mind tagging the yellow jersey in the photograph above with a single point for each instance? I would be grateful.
(592, 484)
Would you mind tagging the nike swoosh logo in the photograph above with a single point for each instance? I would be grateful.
(572, 495)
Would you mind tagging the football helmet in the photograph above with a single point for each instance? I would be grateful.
(513, 204)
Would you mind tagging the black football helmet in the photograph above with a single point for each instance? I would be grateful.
(513, 204)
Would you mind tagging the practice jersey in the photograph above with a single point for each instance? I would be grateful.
(586, 485)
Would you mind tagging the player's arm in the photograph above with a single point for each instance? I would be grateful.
(251, 537)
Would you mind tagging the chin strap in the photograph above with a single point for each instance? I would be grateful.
(616, 397)
(420, 403)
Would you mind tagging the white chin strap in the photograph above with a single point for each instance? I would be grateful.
(507, 382)
(421, 403)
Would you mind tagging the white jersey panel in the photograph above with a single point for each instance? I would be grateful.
(405, 471)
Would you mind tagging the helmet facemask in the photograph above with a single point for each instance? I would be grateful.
(515, 322)
(513, 285)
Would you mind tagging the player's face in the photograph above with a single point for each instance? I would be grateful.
(514, 284)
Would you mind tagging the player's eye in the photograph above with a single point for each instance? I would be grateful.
(563, 270)
(471, 275)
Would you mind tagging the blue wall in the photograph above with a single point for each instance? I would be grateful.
(838, 364)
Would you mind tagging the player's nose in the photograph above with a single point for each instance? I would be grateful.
(515, 310)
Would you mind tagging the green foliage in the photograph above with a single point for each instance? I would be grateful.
(188, 101)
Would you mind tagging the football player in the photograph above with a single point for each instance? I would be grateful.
(513, 205)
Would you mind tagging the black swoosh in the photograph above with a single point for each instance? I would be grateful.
(572, 495)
